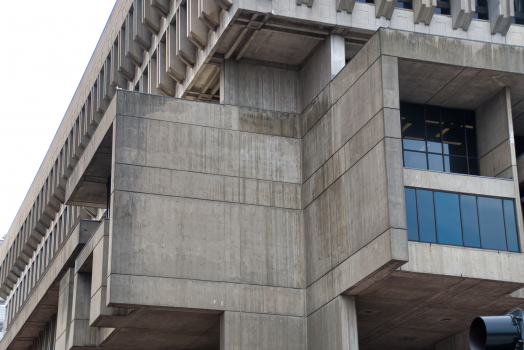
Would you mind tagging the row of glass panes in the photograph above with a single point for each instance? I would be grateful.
(440, 139)
(461, 219)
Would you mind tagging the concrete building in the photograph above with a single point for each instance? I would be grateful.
(279, 174)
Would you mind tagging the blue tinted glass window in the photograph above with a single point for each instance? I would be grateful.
(413, 131)
(491, 220)
(448, 218)
(415, 160)
(426, 215)
(435, 162)
(457, 165)
(511, 225)
(470, 221)
(433, 132)
(411, 214)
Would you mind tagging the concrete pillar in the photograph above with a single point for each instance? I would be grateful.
(80, 333)
(424, 10)
(462, 12)
(117, 79)
(131, 49)
(501, 14)
(384, 8)
(334, 326)
(321, 68)
(496, 144)
(65, 308)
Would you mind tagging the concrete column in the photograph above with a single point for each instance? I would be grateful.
(321, 68)
(185, 49)
(150, 18)
(80, 334)
(496, 144)
(424, 10)
(501, 13)
(462, 12)
(65, 308)
(130, 48)
(175, 67)
(334, 326)
(196, 29)
(164, 81)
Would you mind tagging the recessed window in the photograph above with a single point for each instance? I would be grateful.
(443, 7)
(439, 139)
(519, 12)
(461, 219)
(481, 9)
(406, 4)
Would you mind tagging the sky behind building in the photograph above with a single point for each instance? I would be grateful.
(40, 75)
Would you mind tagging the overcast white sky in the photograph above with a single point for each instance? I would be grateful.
(45, 48)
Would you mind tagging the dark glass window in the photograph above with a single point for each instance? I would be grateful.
(406, 4)
(519, 12)
(443, 7)
(439, 139)
(481, 9)
(519, 145)
(460, 219)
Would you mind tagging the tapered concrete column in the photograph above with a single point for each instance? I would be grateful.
(65, 308)
(462, 12)
(501, 13)
(424, 10)
(80, 334)
(334, 326)
(384, 8)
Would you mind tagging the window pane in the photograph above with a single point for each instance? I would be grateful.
(415, 160)
(471, 133)
(435, 162)
(491, 222)
(470, 221)
(453, 133)
(455, 165)
(447, 211)
(433, 129)
(473, 167)
(511, 225)
(426, 215)
(413, 131)
(411, 214)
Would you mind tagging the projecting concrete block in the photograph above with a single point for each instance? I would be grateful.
(117, 78)
(141, 35)
(208, 13)
(385, 8)
(346, 5)
(149, 17)
(152, 77)
(174, 66)
(225, 4)
(424, 10)
(162, 6)
(109, 90)
(196, 29)
(309, 3)
(501, 14)
(125, 67)
(131, 49)
(185, 48)
(462, 12)
(65, 308)
(165, 83)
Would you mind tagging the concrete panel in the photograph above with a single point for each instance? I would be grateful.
(492, 123)
(459, 183)
(501, 14)
(196, 29)
(260, 86)
(185, 49)
(464, 262)
(497, 162)
(129, 46)
(199, 239)
(334, 326)
(165, 82)
(175, 67)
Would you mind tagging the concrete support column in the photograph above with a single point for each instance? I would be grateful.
(462, 12)
(501, 13)
(496, 144)
(334, 326)
(80, 334)
(65, 307)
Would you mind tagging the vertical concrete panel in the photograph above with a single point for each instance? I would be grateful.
(65, 309)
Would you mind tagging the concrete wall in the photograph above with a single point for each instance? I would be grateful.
(259, 86)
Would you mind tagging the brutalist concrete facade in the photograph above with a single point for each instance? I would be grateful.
(230, 175)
